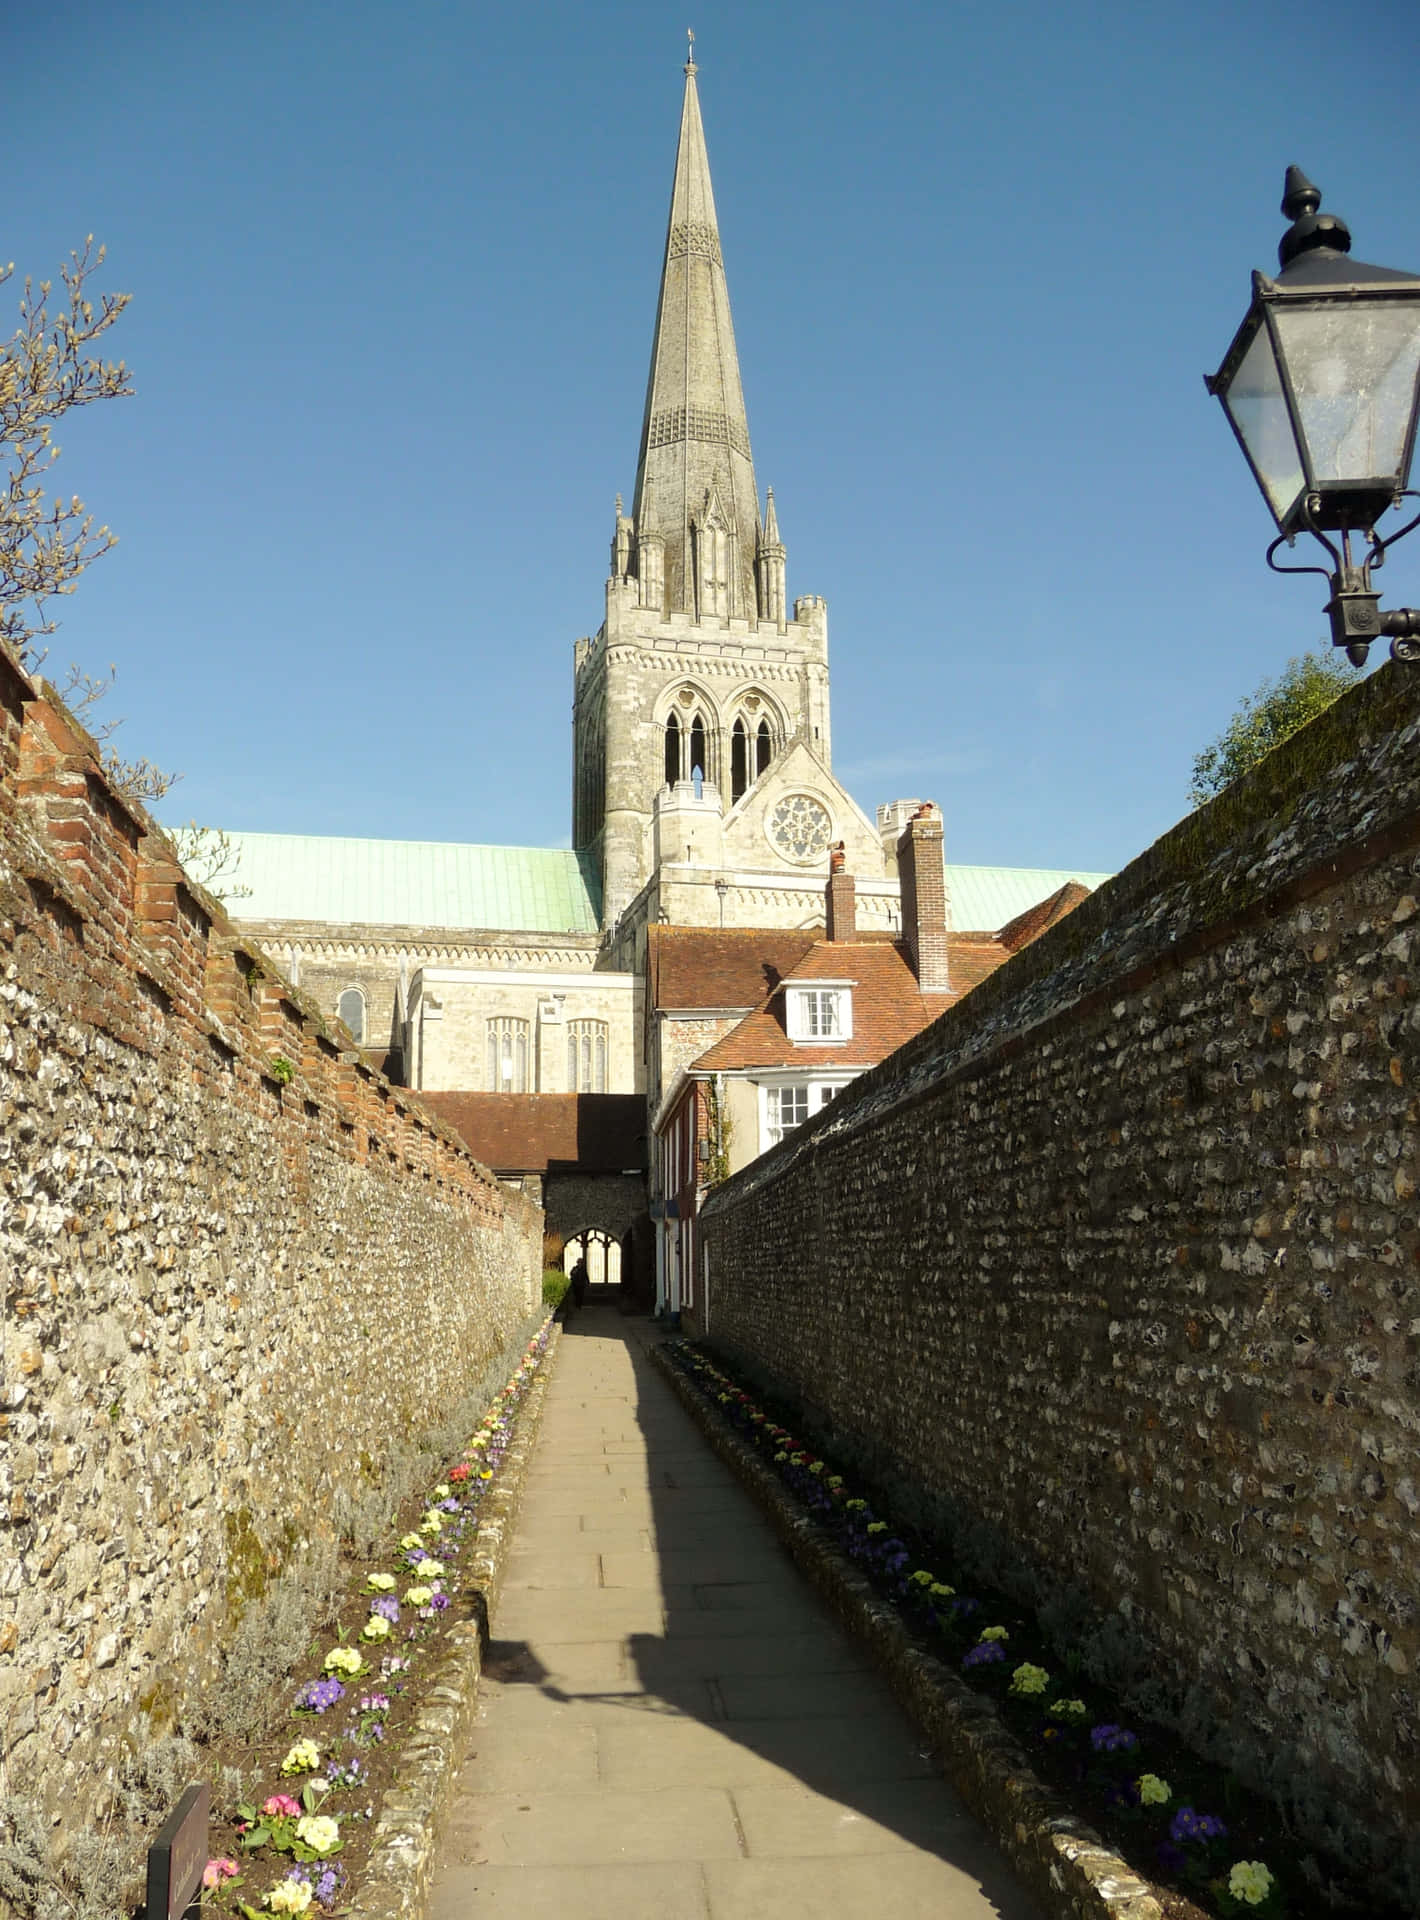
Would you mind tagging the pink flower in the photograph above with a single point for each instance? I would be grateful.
(216, 1871)
(281, 1803)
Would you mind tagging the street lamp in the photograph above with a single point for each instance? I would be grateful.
(1322, 388)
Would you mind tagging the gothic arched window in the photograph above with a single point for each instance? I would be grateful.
(739, 760)
(586, 1056)
(672, 751)
(697, 748)
(763, 748)
(507, 1056)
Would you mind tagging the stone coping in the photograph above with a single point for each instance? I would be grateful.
(1065, 1865)
(397, 1877)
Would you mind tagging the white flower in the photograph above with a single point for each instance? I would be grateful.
(441, 1492)
(432, 1523)
(380, 1582)
(342, 1660)
(430, 1569)
(418, 1596)
(375, 1628)
(319, 1832)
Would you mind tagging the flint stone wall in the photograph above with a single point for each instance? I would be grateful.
(1112, 1273)
(236, 1263)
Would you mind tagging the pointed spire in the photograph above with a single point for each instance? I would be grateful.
(771, 522)
(695, 428)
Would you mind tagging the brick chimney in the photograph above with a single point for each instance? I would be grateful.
(840, 910)
(924, 897)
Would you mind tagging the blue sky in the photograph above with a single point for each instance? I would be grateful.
(394, 271)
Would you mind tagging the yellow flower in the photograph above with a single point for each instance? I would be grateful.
(343, 1660)
(939, 1590)
(410, 1542)
(441, 1492)
(319, 1832)
(486, 1474)
(1153, 1792)
(380, 1582)
(432, 1523)
(994, 1633)
(289, 1896)
(375, 1628)
(418, 1596)
(1251, 1881)
(430, 1569)
(1029, 1679)
(304, 1757)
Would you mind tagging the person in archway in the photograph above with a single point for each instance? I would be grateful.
(580, 1282)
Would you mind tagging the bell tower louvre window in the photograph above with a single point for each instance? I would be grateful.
(672, 750)
(739, 761)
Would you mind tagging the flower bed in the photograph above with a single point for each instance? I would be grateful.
(302, 1835)
(1204, 1845)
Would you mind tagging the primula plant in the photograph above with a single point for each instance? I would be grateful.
(1081, 1743)
(353, 1706)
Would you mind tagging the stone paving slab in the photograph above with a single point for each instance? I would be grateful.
(671, 1723)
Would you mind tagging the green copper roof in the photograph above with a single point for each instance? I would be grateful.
(412, 883)
(985, 899)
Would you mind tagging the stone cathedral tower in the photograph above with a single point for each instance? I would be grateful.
(702, 783)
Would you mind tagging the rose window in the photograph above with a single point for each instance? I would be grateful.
(799, 827)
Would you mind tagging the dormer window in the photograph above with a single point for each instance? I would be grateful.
(819, 1015)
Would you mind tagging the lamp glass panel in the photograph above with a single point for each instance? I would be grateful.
(1258, 409)
(1353, 371)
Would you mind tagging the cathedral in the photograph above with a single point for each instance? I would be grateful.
(703, 790)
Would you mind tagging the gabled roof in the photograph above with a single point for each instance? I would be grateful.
(532, 1132)
(1024, 928)
(888, 1008)
(414, 883)
(690, 968)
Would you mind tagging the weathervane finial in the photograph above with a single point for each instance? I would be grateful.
(690, 51)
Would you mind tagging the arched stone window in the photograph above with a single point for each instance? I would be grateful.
(739, 760)
(586, 1056)
(351, 1009)
(763, 748)
(697, 750)
(507, 1056)
(672, 750)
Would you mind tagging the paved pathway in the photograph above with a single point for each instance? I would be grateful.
(672, 1725)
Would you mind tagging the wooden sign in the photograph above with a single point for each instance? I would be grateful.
(177, 1857)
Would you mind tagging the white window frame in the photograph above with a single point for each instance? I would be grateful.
(588, 1046)
(805, 1006)
(817, 1094)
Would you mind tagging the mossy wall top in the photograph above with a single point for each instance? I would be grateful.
(236, 1263)
(1116, 1267)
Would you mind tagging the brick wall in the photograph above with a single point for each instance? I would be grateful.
(236, 1263)
(1112, 1272)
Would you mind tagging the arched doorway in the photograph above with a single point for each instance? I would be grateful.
(602, 1253)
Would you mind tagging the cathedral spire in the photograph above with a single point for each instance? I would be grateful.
(695, 487)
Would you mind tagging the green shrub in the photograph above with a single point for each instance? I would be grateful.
(554, 1286)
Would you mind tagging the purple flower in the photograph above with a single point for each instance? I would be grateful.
(964, 1607)
(449, 1506)
(374, 1703)
(438, 1603)
(1111, 1738)
(1189, 1825)
(332, 1879)
(387, 1607)
(1171, 1858)
(984, 1654)
(318, 1696)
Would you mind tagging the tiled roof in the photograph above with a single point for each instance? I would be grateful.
(692, 967)
(888, 1006)
(532, 1132)
(1026, 926)
(986, 898)
(414, 883)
